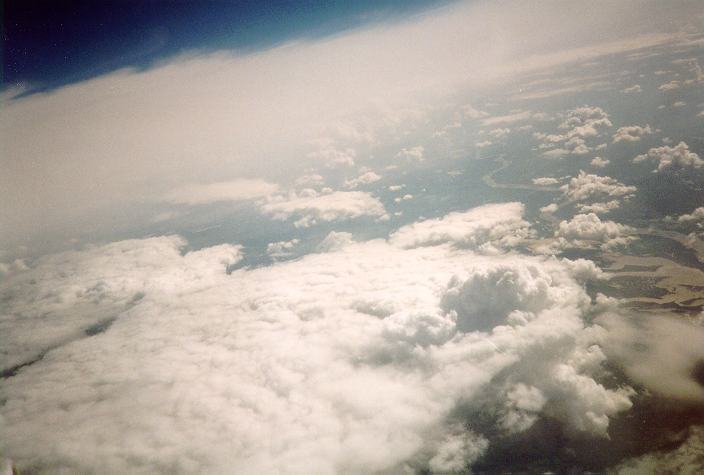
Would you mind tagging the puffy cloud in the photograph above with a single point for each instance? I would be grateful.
(483, 144)
(670, 86)
(599, 208)
(281, 248)
(545, 181)
(696, 215)
(350, 361)
(585, 121)
(363, 179)
(405, 197)
(632, 133)
(335, 241)
(396, 187)
(310, 207)
(599, 162)
(632, 89)
(586, 185)
(588, 227)
(556, 153)
(64, 295)
(488, 228)
(470, 112)
(678, 104)
(499, 132)
(507, 119)
(686, 459)
(412, 153)
(666, 157)
(549, 209)
(649, 348)
(332, 156)
(235, 190)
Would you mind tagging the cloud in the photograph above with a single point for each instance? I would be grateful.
(281, 248)
(64, 295)
(488, 228)
(412, 153)
(545, 181)
(678, 156)
(309, 207)
(363, 179)
(138, 133)
(499, 132)
(632, 133)
(507, 119)
(687, 458)
(599, 208)
(588, 227)
(350, 361)
(670, 86)
(649, 348)
(585, 186)
(696, 215)
(483, 144)
(235, 190)
(632, 89)
(405, 197)
(556, 153)
(599, 162)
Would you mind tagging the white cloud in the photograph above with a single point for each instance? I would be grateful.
(545, 181)
(396, 187)
(679, 104)
(281, 248)
(666, 156)
(632, 89)
(687, 458)
(363, 179)
(632, 133)
(670, 86)
(696, 215)
(335, 241)
(347, 361)
(588, 227)
(520, 116)
(309, 207)
(235, 190)
(556, 153)
(257, 114)
(499, 132)
(549, 209)
(483, 144)
(586, 185)
(599, 162)
(405, 197)
(488, 228)
(599, 208)
(412, 153)
(470, 112)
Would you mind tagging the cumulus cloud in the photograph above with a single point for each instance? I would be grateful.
(696, 215)
(666, 157)
(599, 208)
(545, 181)
(488, 228)
(309, 206)
(483, 144)
(670, 86)
(632, 89)
(281, 248)
(588, 227)
(586, 185)
(412, 153)
(599, 162)
(64, 295)
(235, 190)
(499, 132)
(632, 133)
(351, 360)
(363, 179)
(687, 458)
(649, 348)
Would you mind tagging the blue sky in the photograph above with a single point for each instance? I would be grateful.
(48, 44)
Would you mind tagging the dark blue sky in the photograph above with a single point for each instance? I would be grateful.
(48, 43)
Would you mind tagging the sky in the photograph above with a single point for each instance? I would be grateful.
(49, 44)
(352, 237)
